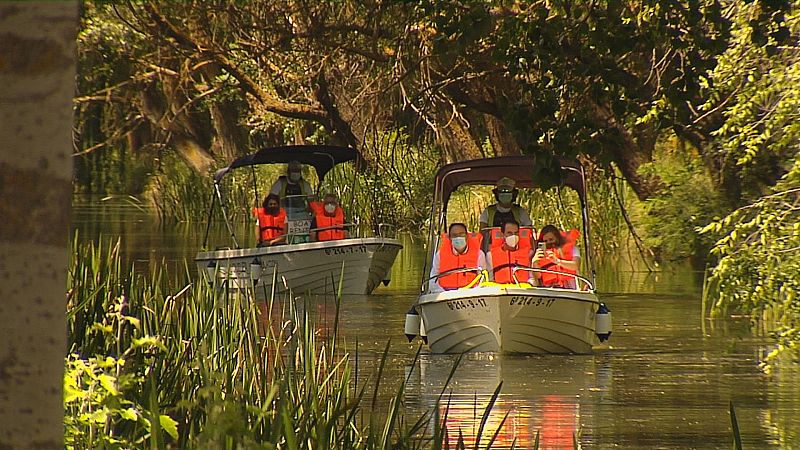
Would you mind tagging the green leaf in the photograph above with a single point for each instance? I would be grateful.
(98, 416)
(130, 414)
(109, 383)
(169, 425)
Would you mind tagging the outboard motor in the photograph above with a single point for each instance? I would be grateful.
(603, 322)
(413, 324)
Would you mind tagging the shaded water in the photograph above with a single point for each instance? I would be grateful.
(664, 381)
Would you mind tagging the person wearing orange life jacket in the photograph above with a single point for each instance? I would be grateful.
(458, 250)
(327, 224)
(513, 249)
(272, 226)
(561, 255)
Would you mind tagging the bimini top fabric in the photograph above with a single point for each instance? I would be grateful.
(557, 171)
(322, 157)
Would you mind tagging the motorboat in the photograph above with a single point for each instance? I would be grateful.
(354, 265)
(516, 317)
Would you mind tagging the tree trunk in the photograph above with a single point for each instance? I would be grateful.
(503, 143)
(634, 150)
(453, 134)
(155, 106)
(38, 78)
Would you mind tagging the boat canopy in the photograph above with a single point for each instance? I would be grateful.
(519, 168)
(322, 157)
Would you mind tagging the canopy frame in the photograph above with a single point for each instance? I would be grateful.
(487, 171)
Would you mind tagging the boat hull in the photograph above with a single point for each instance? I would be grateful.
(509, 320)
(316, 267)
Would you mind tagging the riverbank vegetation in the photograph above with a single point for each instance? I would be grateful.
(159, 365)
(686, 112)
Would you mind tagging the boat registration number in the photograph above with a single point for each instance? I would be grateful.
(299, 226)
(531, 301)
(346, 250)
(466, 303)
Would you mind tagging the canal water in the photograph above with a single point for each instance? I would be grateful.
(665, 380)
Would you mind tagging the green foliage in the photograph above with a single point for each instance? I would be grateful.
(208, 368)
(759, 262)
(687, 201)
(397, 187)
(394, 189)
(758, 268)
(179, 194)
(759, 87)
(101, 409)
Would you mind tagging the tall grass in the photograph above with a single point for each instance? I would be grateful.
(159, 364)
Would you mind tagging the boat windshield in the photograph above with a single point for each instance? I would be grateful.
(298, 217)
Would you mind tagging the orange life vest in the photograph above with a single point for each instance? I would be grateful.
(500, 256)
(270, 226)
(565, 253)
(323, 221)
(449, 261)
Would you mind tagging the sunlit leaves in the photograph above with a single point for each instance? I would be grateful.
(759, 261)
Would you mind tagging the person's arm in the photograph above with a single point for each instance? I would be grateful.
(567, 264)
(531, 275)
(489, 266)
(483, 220)
(282, 238)
(312, 233)
(433, 284)
(482, 260)
(537, 255)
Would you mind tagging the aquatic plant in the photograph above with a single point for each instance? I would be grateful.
(197, 366)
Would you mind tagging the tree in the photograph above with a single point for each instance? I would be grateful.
(38, 73)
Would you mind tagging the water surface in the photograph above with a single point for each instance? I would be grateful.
(665, 379)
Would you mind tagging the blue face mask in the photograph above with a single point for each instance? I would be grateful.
(505, 197)
(459, 242)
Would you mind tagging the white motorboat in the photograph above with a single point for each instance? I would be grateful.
(514, 318)
(355, 265)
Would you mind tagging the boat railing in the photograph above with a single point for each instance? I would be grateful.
(581, 283)
(480, 275)
(384, 227)
(344, 226)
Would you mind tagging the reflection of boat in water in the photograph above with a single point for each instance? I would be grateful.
(361, 263)
(539, 396)
(515, 317)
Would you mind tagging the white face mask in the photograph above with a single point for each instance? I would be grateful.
(294, 176)
(505, 197)
(329, 208)
(459, 243)
(512, 241)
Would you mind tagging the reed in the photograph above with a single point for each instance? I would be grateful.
(737, 437)
(153, 362)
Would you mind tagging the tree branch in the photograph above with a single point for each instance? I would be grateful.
(270, 103)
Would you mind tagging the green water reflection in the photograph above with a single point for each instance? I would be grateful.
(664, 380)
